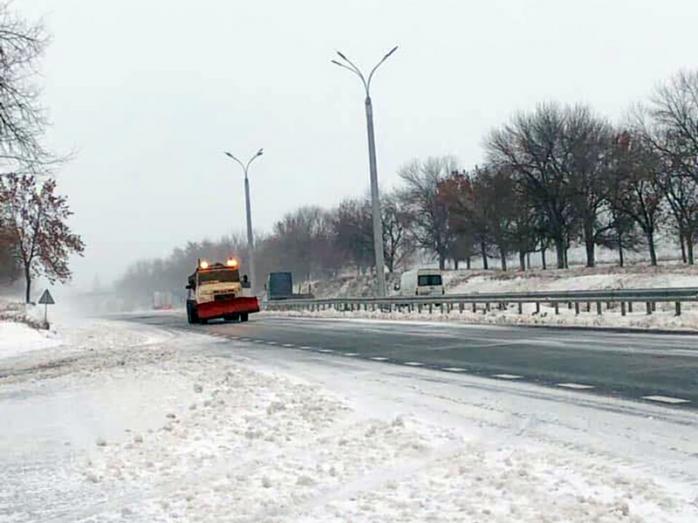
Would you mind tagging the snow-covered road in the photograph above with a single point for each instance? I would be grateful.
(130, 423)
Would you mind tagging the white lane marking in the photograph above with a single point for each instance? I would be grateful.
(272, 343)
(351, 354)
(289, 345)
(413, 363)
(666, 399)
(325, 350)
(306, 347)
(507, 376)
(454, 369)
(379, 358)
(578, 386)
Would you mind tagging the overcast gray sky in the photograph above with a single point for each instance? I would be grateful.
(150, 92)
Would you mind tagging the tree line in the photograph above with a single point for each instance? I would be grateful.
(35, 239)
(553, 177)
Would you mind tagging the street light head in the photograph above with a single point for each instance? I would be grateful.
(335, 62)
(260, 152)
(391, 51)
(342, 56)
(229, 155)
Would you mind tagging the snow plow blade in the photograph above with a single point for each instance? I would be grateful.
(222, 308)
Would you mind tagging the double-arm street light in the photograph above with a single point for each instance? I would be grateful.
(375, 197)
(250, 239)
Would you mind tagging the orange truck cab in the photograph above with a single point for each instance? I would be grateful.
(216, 291)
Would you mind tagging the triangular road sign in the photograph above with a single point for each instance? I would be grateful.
(46, 298)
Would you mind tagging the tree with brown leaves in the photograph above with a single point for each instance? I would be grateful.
(36, 218)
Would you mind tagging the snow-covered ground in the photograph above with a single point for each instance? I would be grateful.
(129, 423)
(577, 278)
(18, 338)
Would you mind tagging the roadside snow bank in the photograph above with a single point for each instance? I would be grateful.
(662, 319)
(18, 338)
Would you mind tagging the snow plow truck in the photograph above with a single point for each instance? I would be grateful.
(215, 290)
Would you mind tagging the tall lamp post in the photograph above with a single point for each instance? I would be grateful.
(375, 197)
(250, 239)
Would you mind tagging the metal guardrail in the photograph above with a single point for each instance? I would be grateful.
(449, 302)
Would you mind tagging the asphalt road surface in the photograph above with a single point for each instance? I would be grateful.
(658, 368)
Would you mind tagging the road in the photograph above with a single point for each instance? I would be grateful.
(657, 368)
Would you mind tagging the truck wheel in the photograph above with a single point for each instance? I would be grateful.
(243, 316)
(231, 317)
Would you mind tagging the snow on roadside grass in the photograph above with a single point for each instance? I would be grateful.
(19, 338)
(662, 319)
(225, 440)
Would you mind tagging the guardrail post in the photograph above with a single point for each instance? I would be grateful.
(649, 308)
(569, 305)
(678, 308)
(537, 307)
(460, 307)
(576, 308)
(431, 308)
(622, 308)
(474, 307)
(520, 307)
(487, 307)
(419, 308)
(630, 307)
(598, 308)
(588, 306)
(557, 307)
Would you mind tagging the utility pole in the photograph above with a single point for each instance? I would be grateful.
(248, 212)
(375, 197)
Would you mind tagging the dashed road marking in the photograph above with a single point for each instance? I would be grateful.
(272, 343)
(351, 354)
(413, 363)
(379, 358)
(325, 350)
(454, 369)
(577, 386)
(305, 347)
(507, 376)
(289, 345)
(666, 399)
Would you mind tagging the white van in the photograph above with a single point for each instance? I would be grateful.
(421, 282)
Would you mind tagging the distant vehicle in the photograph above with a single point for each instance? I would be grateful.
(162, 300)
(280, 287)
(421, 282)
(216, 291)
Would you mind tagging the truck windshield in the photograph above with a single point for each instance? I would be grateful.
(429, 280)
(227, 275)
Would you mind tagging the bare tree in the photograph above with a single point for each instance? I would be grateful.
(639, 195)
(669, 122)
(534, 147)
(22, 117)
(37, 218)
(398, 245)
(430, 227)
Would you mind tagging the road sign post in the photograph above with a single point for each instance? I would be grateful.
(47, 300)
